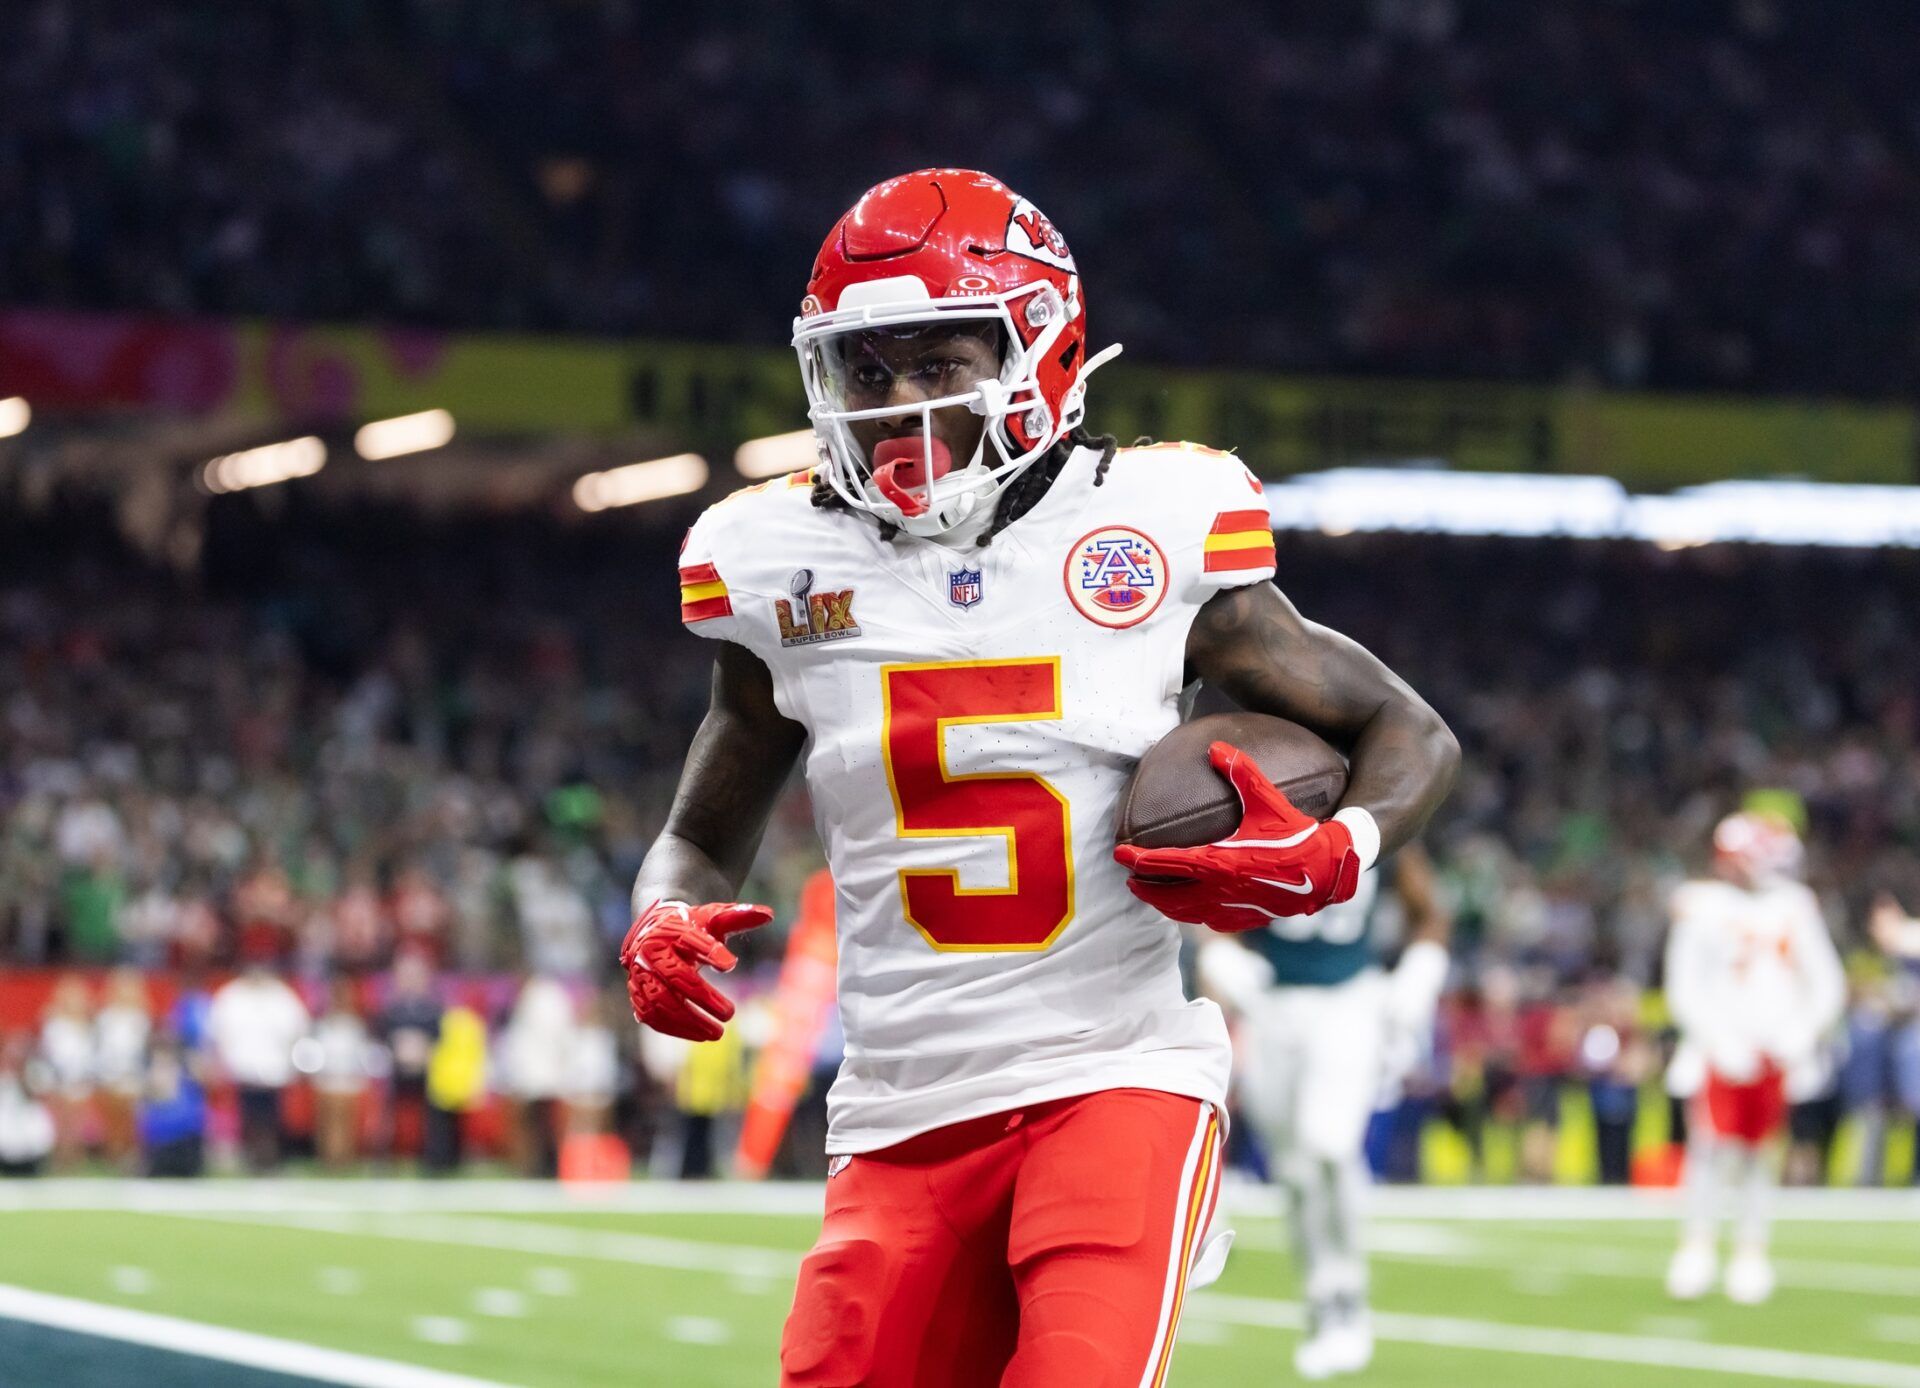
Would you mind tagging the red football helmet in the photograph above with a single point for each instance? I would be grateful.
(928, 250)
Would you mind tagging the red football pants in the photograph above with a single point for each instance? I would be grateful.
(1045, 1246)
(1752, 1112)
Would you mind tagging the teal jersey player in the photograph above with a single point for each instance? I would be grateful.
(1327, 948)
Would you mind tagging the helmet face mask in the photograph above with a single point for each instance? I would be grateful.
(911, 284)
(895, 372)
(1756, 849)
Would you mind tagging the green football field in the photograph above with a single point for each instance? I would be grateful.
(407, 1285)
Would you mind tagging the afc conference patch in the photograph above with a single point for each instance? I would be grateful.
(963, 588)
(1116, 576)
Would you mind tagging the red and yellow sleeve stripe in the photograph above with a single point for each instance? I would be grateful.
(1240, 540)
(703, 594)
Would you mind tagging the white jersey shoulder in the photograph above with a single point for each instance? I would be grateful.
(731, 561)
(1213, 508)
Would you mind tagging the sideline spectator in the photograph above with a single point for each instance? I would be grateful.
(340, 1075)
(409, 1023)
(121, 1033)
(593, 1064)
(1906, 1082)
(1617, 1062)
(255, 1022)
(26, 1125)
(536, 1060)
(456, 1086)
(709, 1096)
(66, 1046)
(173, 1112)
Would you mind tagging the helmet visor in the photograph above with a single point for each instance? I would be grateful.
(904, 366)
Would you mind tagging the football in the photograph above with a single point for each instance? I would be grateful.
(1177, 800)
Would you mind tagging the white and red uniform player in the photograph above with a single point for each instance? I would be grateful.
(991, 960)
(1754, 984)
(1025, 1133)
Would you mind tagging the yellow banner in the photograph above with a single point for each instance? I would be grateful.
(1283, 426)
(713, 397)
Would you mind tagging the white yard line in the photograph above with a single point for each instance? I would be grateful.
(1490, 1203)
(276, 1195)
(218, 1342)
(1532, 1204)
(551, 1240)
(1598, 1346)
(1401, 1243)
(1445, 1331)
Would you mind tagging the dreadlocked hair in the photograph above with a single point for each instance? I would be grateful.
(1020, 496)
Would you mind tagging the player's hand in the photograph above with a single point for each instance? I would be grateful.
(1279, 862)
(662, 955)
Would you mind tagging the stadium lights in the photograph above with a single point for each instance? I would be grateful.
(15, 415)
(264, 466)
(1781, 513)
(776, 454)
(408, 433)
(1346, 500)
(638, 482)
(1361, 500)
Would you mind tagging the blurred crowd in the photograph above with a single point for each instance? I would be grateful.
(1678, 193)
(365, 756)
(176, 1074)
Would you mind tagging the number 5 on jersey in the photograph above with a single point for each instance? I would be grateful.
(920, 703)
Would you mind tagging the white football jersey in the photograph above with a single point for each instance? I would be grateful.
(1751, 974)
(973, 717)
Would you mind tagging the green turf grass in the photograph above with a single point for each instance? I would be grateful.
(593, 1320)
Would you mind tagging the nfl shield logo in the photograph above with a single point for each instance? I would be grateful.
(963, 588)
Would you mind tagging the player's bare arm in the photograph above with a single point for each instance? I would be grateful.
(682, 900)
(1253, 644)
(740, 758)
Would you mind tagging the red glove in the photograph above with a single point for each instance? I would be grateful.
(662, 955)
(1279, 862)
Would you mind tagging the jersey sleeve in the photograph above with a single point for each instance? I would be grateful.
(1238, 548)
(1685, 967)
(709, 605)
(1825, 975)
(1229, 532)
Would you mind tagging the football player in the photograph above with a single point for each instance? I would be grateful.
(1753, 982)
(1325, 1035)
(967, 624)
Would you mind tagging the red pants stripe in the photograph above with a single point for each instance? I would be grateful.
(1044, 1246)
(1202, 1186)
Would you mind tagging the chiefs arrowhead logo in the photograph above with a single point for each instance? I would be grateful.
(1030, 234)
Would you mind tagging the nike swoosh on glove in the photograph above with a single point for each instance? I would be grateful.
(1279, 862)
(662, 955)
